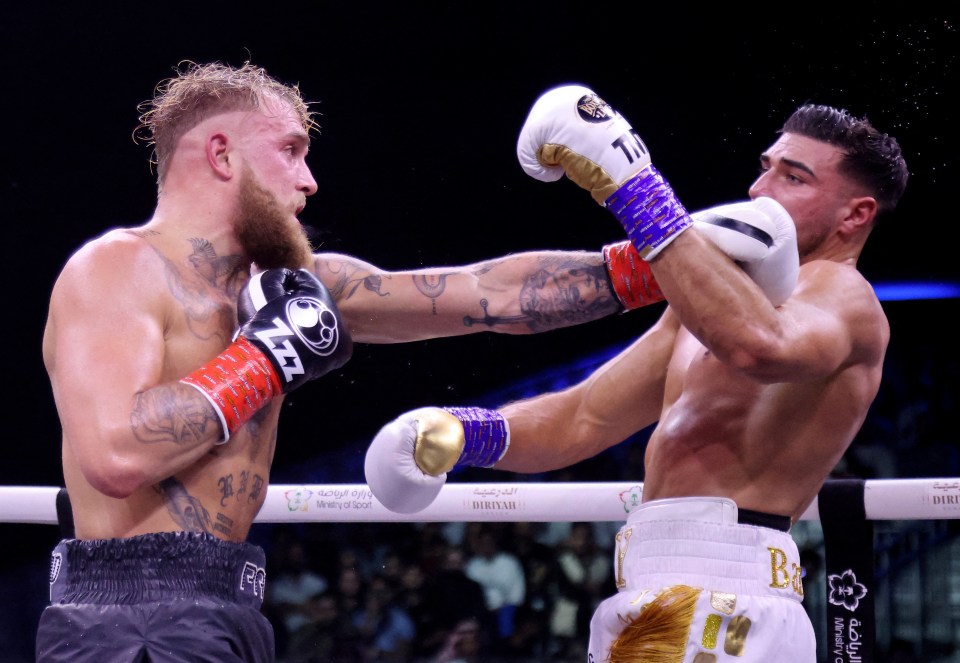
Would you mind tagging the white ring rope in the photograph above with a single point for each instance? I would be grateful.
(884, 499)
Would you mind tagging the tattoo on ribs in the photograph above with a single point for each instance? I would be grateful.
(186, 510)
(240, 494)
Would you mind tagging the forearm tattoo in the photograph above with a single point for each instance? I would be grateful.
(561, 293)
(173, 413)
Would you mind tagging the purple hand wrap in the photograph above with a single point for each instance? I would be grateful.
(485, 436)
(649, 212)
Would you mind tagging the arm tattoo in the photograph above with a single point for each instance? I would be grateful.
(172, 414)
(560, 293)
(432, 286)
(349, 278)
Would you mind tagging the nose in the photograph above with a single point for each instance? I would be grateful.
(759, 187)
(307, 183)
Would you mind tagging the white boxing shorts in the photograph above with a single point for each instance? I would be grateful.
(697, 585)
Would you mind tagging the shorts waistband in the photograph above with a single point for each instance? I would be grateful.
(157, 567)
(701, 541)
(763, 519)
(707, 509)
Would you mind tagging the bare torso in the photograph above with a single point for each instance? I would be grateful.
(766, 446)
(221, 494)
(160, 304)
(193, 301)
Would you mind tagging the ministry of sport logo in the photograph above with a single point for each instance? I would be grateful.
(297, 499)
(845, 590)
(631, 498)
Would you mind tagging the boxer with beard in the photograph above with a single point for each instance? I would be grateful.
(162, 354)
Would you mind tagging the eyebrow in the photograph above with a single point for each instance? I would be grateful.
(298, 137)
(792, 163)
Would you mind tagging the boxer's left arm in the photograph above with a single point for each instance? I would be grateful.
(571, 131)
(522, 293)
(409, 459)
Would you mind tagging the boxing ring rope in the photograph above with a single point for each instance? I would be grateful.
(884, 499)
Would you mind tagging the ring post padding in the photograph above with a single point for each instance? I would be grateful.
(850, 580)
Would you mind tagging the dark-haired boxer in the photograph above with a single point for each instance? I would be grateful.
(755, 395)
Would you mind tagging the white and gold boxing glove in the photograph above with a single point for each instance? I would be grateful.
(408, 460)
(570, 130)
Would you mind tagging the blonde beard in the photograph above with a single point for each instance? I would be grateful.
(264, 230)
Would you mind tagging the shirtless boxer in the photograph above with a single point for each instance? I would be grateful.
(755, 398)
(169, 414)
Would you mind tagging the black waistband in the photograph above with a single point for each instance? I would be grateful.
(761, 519)
(156, 567)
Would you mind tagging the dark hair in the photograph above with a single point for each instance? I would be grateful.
(871, 158)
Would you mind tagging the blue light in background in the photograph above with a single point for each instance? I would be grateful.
(896, 291)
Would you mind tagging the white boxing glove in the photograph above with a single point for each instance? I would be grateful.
(571, 130)
(761, 237)
(758, 234)
(408, 460)
(777, 272)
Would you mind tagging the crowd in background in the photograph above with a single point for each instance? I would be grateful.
(437, 592)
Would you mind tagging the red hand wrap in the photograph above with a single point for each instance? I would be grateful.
(630, 276)
(239, 381)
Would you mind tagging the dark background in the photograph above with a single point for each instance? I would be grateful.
(420, 106)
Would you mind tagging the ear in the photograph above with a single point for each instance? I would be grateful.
(217, 152)
(862, 212)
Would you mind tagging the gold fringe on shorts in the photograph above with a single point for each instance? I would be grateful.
(659, 633)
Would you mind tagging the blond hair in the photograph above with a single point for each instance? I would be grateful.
(199, 91)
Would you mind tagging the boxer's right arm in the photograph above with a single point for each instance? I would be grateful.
(290, 332)
(124, 426)
(124, 423)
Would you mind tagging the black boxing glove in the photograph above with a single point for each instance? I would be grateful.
(290, 333)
